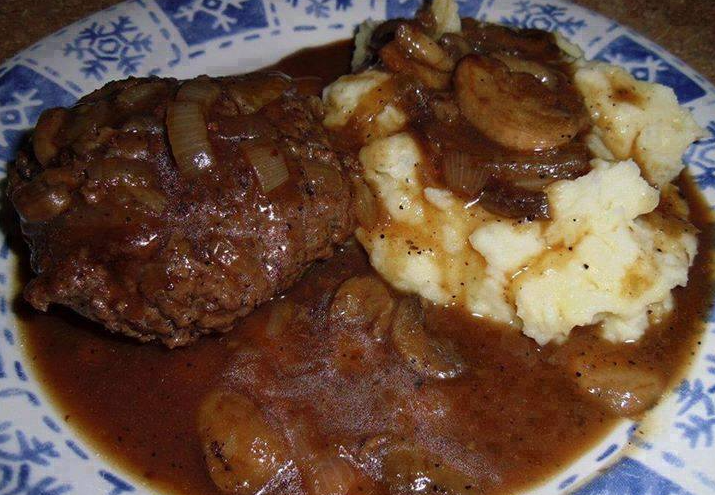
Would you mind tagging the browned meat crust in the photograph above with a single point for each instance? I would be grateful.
(121, 235)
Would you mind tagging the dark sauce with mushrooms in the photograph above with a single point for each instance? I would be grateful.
(513, 416)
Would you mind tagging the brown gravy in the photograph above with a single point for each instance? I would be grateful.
(137, 403)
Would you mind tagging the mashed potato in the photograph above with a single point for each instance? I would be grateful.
(602, 258)
(638, 120)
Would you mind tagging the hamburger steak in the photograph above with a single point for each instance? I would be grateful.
(167, 209)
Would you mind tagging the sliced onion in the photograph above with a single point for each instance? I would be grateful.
(188, 136)
(268, 163)
(324, 176)
(140, 93)
(510, 201)
(533, 184)
(45, 132)
(365, 204)
(201, 90)
(463, 176)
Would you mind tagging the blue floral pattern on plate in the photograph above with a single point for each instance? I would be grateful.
(118, 44)
(547, 16)
(41, 456)
(646, 65)
(202, 20)
(630, 477)
(407, 8)
(23, 95)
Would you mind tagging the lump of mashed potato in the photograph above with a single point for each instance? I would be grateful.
(606, 263)
(346, 99)
(635, 119)
(609, 254)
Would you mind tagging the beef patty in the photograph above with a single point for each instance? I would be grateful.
(167, 209)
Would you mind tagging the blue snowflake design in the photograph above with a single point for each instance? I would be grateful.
(646, 65)
(543, 16)
(630, 477)
(407, 8)
(18, 455)
(696, 414)
(321, 9)
(119, 45)
(218, 10)
(14, 113)
(199, 21)
(701, 159)
(23, 95)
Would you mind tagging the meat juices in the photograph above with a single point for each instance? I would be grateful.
(169, 224)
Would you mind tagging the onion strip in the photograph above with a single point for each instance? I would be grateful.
(188, 136)
(268, 163)
(140, 93)
(201, 90)
(463, 176)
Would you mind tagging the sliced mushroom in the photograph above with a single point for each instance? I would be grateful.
(514, 108)
(329, 476)
(542, 73)
(243, 452)
(523, 43)
(363, 302)
(366, 208)
(423, 49)
(407, 468)
(512, 201)
(253, 91)
(617, 385)
(425, 354)
(397, 61)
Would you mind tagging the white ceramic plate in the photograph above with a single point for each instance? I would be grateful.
(674, 454)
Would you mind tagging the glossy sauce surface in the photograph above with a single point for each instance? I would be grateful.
(516, 406)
